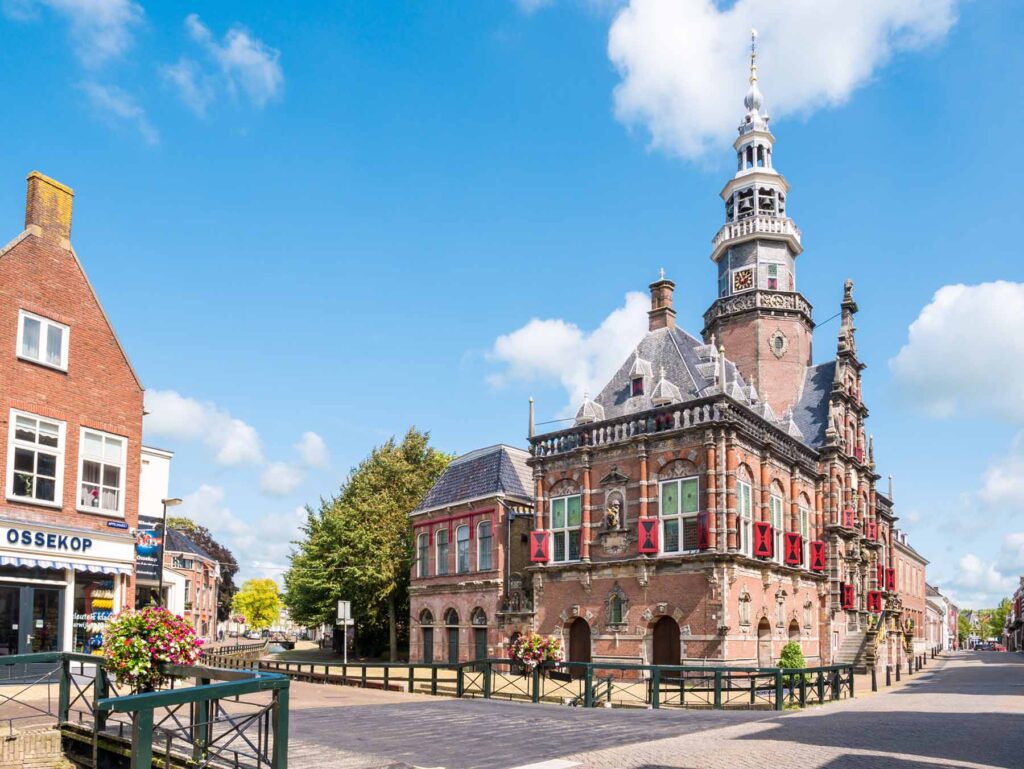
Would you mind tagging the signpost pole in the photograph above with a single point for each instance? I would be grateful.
(344, 619)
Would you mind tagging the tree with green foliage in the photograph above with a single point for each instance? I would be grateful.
(228, 565)
(963, 629)
(260, 603)
(358, 545)
(997, 619)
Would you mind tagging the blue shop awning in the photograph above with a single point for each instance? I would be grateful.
(59, 563)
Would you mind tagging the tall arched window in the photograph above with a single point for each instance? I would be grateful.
(462, 549)
(615, 610)
(778, 525)
(422, 555)
(744, 503)
(484, 543)
(441, 554)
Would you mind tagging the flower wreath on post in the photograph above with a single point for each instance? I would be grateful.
(532, 651)
(137, 644)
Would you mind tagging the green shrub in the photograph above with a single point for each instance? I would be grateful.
(792, 657)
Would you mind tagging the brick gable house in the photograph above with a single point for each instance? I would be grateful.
(717, 498)
(71, 416)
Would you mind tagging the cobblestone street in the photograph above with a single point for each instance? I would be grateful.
(966, 712)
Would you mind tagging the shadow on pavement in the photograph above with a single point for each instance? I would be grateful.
(850, 761)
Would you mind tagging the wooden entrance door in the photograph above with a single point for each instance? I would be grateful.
(428, 644)
(764, 643)
(666, 642)
(579, 644)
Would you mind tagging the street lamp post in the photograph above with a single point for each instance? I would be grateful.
(163, 541)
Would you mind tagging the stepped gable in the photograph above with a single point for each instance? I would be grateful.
(492, 471)
(811, 411)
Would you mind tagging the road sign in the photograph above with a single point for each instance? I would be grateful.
(344, 611)
(345, 620)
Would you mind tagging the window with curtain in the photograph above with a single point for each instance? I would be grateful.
(678, 512)
(566, 518)
(101, 473)
(462, 549)
(483, 546)
(42, 340)
(775, 508)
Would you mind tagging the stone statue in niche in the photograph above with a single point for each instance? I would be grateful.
(613, 513)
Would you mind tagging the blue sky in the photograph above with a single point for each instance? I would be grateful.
(307, 222)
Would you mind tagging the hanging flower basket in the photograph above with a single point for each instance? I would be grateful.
(533, 651)
(137, 645)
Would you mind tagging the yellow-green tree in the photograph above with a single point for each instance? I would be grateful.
(259, 602)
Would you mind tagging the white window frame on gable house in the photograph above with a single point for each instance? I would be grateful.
(674, 515)
(32, 422)
(41, 354)
(102, 487)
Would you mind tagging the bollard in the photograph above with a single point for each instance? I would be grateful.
(874, 681)
(898, 668)
(910, 667)
(888, 675)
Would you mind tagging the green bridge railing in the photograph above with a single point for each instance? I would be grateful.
(233, 718)
(587, 683)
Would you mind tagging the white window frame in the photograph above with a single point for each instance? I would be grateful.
(123, 467)
(44, 323)
(679, 515)
(776, 515)
(458, 549)
(745, 517)
(479, 549)
(12, 443)
(565, 530)
(423, 549)
(441, 565)
(804, 516)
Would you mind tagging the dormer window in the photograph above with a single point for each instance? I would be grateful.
(42, 340)
(636, 386)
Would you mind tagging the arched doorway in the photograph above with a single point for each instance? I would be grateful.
(427, 621)
(764, 643)
(479, 622)
(451, 621)
(579, 644)
(666, 649)
(794, 631)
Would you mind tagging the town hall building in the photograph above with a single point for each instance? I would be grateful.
(714, 501)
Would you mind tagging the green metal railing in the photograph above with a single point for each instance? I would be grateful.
(586, 683)
(233, 718)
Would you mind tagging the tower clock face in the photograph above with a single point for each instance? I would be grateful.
(743, 280)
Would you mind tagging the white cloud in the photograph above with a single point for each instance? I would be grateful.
(100, 30)
(280, 478)
(684, 70)
(261, 546)
(1002, 489)
(312, 450)
(965, 353)
(1011, 555)
(195, 87)
(558, 350)
(246, 64)
(113, 104)
(977, 583)
(233, 441)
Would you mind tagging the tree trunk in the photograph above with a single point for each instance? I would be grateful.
(392, 628)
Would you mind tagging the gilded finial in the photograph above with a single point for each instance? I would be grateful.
(753, 55)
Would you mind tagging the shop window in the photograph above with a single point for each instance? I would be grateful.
(94, 605)
(36, 459)
(101, 473)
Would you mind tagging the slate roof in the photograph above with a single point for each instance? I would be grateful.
(485, 472)
(687, 365)
(811, 412)
(178, 542)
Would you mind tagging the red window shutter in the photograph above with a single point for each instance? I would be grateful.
(703, 531)
(763, 540)
(540, 546)
(647, 528)
(794, 549)
(890, 579)
(880, 576)
(817, 556)
(847, 595)
(848, 516)
(875, 601)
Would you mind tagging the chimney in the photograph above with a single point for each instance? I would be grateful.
(48, 209)
(661, 314)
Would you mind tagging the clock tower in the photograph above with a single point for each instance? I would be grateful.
(759, 317)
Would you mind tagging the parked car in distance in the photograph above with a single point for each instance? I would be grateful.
(984, 646)
(998, 647)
